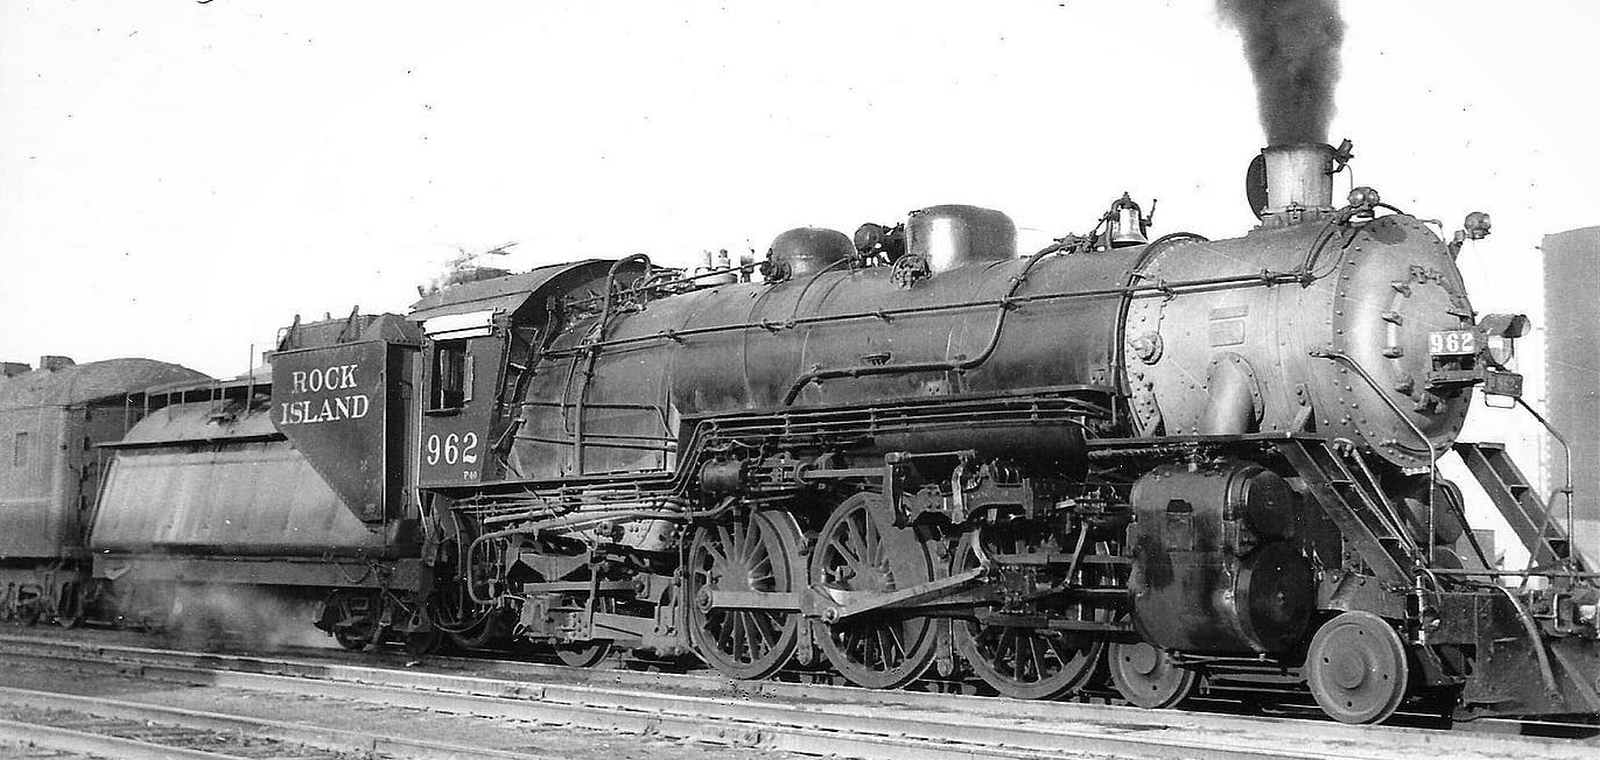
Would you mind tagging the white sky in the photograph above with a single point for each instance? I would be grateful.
(177, 179)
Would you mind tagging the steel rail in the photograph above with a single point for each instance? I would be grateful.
(330, 739)
(822, 719)
(97, 745)
(514, 703)
(859, 732)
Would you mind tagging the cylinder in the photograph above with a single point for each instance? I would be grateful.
(1299, 174)
(1215, 567)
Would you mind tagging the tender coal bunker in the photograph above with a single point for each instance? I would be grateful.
(1293, 49)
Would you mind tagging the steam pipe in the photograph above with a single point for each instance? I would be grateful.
(1231, 409)
(594, 351)
(1532, 629)
(681, 279)
(1136, 272)
(804, 289)
(1004, 303)
(1265, 278)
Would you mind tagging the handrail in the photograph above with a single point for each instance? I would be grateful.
(1263, 278)
(863, 370)
(1523, 616)
(1427, 443)
(1566, 488)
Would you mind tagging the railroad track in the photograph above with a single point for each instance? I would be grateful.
(103, 727)
(798, 718)
(1224, 700)
(799, 684)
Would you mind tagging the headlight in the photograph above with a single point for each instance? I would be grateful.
(1501, 351)
(1500, 337)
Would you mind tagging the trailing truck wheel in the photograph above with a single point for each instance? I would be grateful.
(492, 630)
(1357, 668)
(588, 652)
(453, 606)
(860, 553)
(760, 553)
(583, 654)
(70, 606)
(354, 641)
(423, 643)
(1146, 676)
(1023, 663)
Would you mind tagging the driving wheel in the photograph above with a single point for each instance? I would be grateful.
(858, 555)
(1021, 662)
(759, 553)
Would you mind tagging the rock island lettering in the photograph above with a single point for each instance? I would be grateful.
(340, 377)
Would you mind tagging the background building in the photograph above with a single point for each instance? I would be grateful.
(1572, 370)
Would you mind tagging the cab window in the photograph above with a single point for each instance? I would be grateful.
(452, 376)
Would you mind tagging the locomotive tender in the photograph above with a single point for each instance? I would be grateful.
(206, 498)
(916, 454)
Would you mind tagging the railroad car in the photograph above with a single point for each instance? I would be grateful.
(52, 419)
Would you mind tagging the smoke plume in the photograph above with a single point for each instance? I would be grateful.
(1293, 47)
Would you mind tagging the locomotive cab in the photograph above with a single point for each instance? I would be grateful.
(458, 408)
(483, 340)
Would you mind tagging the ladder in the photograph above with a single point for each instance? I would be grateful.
(1529, 517)
(1349, 494)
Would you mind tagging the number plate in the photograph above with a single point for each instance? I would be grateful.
(1453, 342)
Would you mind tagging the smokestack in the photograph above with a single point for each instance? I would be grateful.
(1299, 175)
(1293, 183)
(1293, 49)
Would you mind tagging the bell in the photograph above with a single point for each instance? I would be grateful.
(1126, 230)
(1127, 223)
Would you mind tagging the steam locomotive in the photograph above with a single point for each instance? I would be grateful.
(909, 454)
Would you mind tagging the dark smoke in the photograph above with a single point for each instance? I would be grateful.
(1293, 47)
